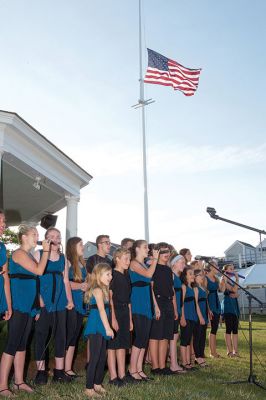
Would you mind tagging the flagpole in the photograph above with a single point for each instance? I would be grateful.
(141, 99)
(142, 103)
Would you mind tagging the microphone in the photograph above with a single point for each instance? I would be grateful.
(39, 243)
(203, 258)
(233, 274)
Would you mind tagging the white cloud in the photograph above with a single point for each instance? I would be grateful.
(114, 159)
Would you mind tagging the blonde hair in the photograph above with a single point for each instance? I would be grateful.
(226, 266)
(94, 280)
(24, 229)
(119, 253)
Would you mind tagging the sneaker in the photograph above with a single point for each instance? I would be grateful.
(60, 376)
(41, 378)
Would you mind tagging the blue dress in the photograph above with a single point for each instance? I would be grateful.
(230, 305)
(141, 302)
(189, 305)
(53, 290)
(78, 294)
(213, 299)
(3, 260)
(94, 323)
(24, 289)
(178, 293)
(202, 301)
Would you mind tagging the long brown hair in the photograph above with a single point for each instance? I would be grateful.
(73, 258)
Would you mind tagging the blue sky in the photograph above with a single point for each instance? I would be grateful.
(71, 70)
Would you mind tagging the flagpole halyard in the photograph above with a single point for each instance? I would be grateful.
(142, 103)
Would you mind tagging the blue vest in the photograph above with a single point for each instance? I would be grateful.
(213, 299)
(230, 305)
(78, 294)
(24, 287)
(178, 293)
(53, 290)
(141, 302)
(189, 305)
(94, 322)
(3, 260)
(202, 301)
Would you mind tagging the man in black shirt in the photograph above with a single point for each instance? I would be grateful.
(103, 249)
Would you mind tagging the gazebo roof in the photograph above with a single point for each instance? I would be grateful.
(27, 158)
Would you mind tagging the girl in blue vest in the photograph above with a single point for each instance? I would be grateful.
(230, 311)
(56, 298)
(199, 339)
(213, 285)
(77, 277)
(189, 316)
(5, 296)
(141, 305)
(177, 264)
(24, 273)
(97, 329)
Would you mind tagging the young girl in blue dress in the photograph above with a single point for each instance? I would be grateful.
(199, 339)
(230, 311)
(97, 329)
(189, 316)
(24, 272)
(56, 299)
(77, 277)
(141, 304)
(213, 286)
(177, 264)
(5, 296)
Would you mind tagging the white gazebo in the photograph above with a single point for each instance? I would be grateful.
(36, 177)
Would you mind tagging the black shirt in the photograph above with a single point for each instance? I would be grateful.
(120, 287)
(96, 259)
(163, 283)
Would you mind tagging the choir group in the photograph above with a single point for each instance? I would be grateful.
(138, 304)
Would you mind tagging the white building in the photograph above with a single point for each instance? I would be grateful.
(36, 177)
(241, 254)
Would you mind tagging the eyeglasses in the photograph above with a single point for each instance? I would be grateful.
(106, 242)
(164, 251)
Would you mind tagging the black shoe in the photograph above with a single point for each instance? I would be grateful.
(60, 376)
(155, 371)
(41, 378)
(166, 371)
(116, 382)
(131, 378)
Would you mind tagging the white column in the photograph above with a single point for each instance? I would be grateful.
(1, 183)
(71, 216)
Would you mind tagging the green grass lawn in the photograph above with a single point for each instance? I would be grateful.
(205, 383)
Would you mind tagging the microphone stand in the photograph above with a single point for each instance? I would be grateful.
(251, 378)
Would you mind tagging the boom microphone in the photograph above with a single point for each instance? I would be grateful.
(203, 258)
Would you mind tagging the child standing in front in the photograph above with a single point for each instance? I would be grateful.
(120, 290)
(97, 329)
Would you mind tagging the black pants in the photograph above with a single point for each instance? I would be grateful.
(215, 323)
(19, 328)
(74, 325)
(231, 323)
(53, 323)
(96, 364)
(199, 340)
(187, 332)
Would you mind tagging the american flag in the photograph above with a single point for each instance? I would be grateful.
(163, 71)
